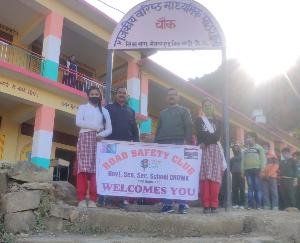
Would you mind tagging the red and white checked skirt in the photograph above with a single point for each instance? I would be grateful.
(86, 152)
(212, 163)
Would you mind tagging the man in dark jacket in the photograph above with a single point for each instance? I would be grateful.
(124, 127)
(238, 182)
(288, 179)
(174, 127)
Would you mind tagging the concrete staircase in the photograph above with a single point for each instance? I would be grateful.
(115, 226)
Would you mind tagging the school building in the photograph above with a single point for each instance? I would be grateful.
(37, 106)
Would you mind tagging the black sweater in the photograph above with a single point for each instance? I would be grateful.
(203, 135)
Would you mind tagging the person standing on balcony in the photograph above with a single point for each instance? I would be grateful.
(174, 127)
(253, 164)
(213, 164)
(71, 77)
(94, 123)
(124, 125)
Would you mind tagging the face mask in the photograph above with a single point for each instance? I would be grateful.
(94, 100)
(236, 151)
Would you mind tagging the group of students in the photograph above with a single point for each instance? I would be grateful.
(175, 126)
(272, 183)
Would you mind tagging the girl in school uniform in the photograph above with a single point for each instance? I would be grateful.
(94, 123)
(213, 163)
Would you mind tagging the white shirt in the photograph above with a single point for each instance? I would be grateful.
(89, 118)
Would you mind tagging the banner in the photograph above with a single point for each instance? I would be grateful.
(148, 170)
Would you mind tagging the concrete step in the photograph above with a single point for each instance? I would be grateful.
(71, 238)
(194, 224)
(280, 225)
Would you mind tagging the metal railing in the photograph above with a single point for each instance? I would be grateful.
(32, 61)
(20, 57)
(77, 80)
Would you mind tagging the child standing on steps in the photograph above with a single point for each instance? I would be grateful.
(269, 182)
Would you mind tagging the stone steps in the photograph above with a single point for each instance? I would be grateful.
(70, 238)
(72, 224)
(194, 224)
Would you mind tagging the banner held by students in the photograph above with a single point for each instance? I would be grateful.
(148, 170)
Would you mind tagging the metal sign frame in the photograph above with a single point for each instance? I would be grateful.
(193, 8)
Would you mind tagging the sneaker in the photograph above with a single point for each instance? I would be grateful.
(167, 209)
(124, 205)
(82, 204)
(92, 204)
(214, 210)
(241, 207)
(206, 210)
(235, 206)
(183, 209)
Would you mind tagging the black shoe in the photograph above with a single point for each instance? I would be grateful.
(214, 210)
(183, 209)
(206, 210)
(124, 205)
(167, 209)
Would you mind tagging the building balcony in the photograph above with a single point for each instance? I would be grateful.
(33, 62)
(20, 57)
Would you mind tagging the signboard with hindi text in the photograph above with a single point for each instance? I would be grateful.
(168, 24)
(148, 170)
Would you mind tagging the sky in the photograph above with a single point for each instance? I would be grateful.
(263, 35)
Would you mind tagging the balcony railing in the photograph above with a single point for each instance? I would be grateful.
(77, 80)
(20, 57)
(31, 61)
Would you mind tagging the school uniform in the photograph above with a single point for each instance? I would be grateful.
(212, 166)
(90, 121)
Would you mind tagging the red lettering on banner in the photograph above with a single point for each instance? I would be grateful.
(150, 152)
(159, 153)
(133, 153)
(113, 160)
(147, 152)
(183, 164)
(163, 23)
(153, 152)
(140, 153)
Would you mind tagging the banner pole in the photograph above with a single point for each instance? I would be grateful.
(108, 78)
(228, 203)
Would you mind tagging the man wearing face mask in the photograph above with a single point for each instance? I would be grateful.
(288, 179)
(238, 183)
(174, 127)
(253, 163)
